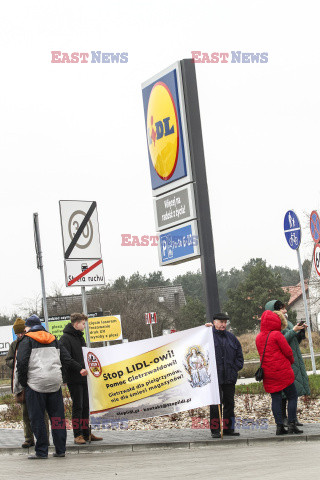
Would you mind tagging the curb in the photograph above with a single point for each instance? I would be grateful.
(139, 447)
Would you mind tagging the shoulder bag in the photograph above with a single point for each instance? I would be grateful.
(259, 373)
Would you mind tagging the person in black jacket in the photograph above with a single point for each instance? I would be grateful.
(73, 341)
(229, 360)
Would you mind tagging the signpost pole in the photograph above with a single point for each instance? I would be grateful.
(208, 266)
(151, 330)
(85, 311)
(37, 243)
(306, 313)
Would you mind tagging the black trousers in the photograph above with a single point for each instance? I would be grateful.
(80, 408)
(227, 400)
(37, 404)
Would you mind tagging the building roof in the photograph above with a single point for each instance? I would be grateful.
(295, 292)
(171, 296)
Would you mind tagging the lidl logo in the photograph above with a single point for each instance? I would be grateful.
(162, 131)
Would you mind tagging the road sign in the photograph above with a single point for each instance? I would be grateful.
(292, 229)
(179, 244)
(316, 258)
(80, 229)
(175, 207)
(315, 226)
(84, 273)
(150, 318)
(167, 138)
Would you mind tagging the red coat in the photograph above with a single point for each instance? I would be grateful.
(277, 370)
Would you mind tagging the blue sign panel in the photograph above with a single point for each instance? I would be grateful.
(165, 130)
(179, 244)
(292, 229)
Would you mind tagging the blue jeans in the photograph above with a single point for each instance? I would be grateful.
(37, 404)
(292, 396)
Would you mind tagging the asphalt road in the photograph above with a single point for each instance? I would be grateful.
(270, 461)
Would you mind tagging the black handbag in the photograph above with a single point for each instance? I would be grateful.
(259, 373)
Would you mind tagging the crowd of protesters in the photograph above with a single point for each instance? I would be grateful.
(284, 372)
(40, 364)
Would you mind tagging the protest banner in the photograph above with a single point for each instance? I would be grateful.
(152, 377)
(105, 329)
(6, 338)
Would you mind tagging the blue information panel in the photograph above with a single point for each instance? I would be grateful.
(292, 229)
(179, 244)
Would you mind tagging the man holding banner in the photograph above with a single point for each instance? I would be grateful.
(75, 377)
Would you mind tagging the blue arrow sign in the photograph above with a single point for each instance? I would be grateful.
(292, 229)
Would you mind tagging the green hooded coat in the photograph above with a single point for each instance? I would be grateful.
(301, 378)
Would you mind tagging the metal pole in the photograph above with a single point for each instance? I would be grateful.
(37, 243)
(306, 313)
(85, 311)
(151, 330)
(208, 266)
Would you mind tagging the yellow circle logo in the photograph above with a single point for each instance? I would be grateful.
(162, 131)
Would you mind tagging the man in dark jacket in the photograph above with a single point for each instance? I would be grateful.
(18, 328)
(39, 362)
(229, 360)
(73, 341)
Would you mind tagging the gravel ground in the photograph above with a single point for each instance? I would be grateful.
(248, 408)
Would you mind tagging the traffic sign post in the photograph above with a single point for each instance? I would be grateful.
(150, 319)
(81, 247)
(315, 226)
(292, 231)
(316, 258)
(37, 243)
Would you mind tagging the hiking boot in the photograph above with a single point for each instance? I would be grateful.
(59, 455)
(79, 440)
(93, 438)
(293, 428)
(281, 430)
(27, 444)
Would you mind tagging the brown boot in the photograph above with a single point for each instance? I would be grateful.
(28, 444)
(94, 438)
(79, 440)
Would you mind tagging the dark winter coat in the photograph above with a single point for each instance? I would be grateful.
(229, 357)
(278, 358)
(73, 341)
(11, 353)
(301, 378)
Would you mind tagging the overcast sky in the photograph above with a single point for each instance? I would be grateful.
(76, 131)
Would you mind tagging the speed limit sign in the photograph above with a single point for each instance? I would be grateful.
(81, 243)
(316, 258)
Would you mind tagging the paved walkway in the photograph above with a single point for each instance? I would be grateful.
(10, 440)
(263, 462)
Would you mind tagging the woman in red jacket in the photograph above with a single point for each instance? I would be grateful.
(277, 371)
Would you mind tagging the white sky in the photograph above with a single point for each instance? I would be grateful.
(76, 131)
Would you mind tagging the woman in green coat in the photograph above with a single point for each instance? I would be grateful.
(293, 335)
